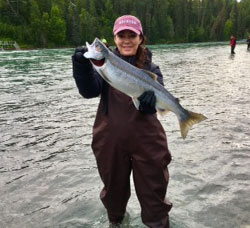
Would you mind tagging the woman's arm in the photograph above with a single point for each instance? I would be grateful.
(88, 81)
(156, 70)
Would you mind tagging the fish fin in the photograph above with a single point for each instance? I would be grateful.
(136, 102)
(87, 54)
(150, 74)
(193, 118)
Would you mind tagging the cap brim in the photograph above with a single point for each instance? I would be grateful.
(127, 28)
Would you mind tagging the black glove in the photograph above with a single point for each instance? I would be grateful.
(78, 57)
(147, 102)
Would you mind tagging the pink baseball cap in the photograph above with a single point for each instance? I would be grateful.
(127, 22)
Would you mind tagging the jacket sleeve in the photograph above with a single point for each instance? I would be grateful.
(88, 81)
(156, 70)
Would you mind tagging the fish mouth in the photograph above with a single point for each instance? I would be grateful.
(98, 63)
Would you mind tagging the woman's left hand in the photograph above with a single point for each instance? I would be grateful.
(147, 102)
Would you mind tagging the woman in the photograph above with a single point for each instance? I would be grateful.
(125, 139)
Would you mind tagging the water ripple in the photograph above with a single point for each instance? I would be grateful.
(48, 172)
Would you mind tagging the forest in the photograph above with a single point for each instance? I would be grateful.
(68, 23)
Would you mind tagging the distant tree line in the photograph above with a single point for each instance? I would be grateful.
(54, 23)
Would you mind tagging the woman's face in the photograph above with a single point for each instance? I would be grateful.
(127, 42)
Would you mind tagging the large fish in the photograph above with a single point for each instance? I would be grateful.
(134, 81)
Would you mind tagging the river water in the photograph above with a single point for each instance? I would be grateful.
(48, 174)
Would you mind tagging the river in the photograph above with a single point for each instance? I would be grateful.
(48, 174)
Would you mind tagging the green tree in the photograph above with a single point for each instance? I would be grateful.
(228, 29)
(35, 22)
(244, 18)
(58, 22)
(44, 29)
(57, 27)
(217, 30)
(107, 21)
(87, 23)
(73, 25)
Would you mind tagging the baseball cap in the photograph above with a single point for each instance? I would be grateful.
(127, 22)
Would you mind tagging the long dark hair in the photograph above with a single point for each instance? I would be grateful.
(142, 55)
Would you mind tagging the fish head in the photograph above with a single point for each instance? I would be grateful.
(97, 52)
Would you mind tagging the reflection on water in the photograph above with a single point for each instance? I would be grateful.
(48, 172)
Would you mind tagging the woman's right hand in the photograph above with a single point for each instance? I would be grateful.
(79, 57)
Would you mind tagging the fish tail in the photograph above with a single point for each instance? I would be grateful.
(193, 118)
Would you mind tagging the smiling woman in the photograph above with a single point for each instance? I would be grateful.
(127, 42)
(128, 35)
(125, 138)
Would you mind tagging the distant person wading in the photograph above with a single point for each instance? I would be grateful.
(232, 44)
(248, 43)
